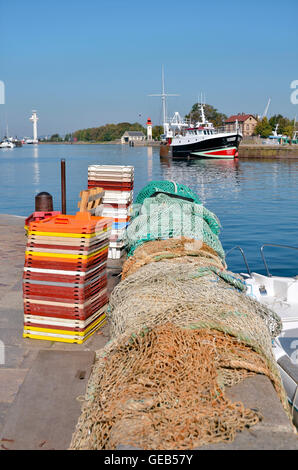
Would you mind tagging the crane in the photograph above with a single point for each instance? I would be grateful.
(266, 109)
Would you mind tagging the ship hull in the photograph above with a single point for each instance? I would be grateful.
(216, 147)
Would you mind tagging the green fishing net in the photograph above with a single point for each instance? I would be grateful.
(169, 187)
(169, 210)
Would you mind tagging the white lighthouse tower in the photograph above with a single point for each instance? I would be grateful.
(34, 119)
(149, 129)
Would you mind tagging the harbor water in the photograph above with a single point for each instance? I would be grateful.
(255, 200)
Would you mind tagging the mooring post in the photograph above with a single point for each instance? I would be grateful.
(43, 202)
(63, 187)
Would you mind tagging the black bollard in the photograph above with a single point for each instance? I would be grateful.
(43, 202)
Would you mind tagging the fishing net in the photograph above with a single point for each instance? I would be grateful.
(184, 250)
(181, 335)
(185, 294)
(163, 217)
(182, 330)
(169, 187)
(164, 389)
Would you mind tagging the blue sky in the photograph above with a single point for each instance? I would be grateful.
(86, 63)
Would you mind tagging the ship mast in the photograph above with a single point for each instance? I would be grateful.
(163, 95)
(203, 117)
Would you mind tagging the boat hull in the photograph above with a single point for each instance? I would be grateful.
(216, 147)
(226, 153)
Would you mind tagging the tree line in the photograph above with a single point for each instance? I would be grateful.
(266, 126)
(106, 133)
(114, 132)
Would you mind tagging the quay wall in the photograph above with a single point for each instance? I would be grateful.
(268, 151)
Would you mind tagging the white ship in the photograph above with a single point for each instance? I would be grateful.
(7, 144)
(201, 139)
(183, 139)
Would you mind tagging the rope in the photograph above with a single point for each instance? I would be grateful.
(232, 280)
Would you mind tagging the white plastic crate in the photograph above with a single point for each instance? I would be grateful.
(116, 253)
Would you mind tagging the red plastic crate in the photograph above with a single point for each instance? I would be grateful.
(37, 216)
(58, 311)
(77, 279)
(75, 294)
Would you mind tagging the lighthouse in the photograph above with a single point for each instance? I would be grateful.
(149, 129)
(34, 119)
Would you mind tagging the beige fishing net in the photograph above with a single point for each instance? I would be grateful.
(182, 330)
(187, 250)
(164, 389)
(184, 294)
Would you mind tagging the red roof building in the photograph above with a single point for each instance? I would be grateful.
(246, 122)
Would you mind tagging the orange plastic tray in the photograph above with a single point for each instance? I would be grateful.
(82, 222)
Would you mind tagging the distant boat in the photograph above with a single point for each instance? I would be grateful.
(276, 136)
(201, 140)
(7, 144)
(15, 141)
(184, 139)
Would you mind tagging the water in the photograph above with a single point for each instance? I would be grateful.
(255, 200)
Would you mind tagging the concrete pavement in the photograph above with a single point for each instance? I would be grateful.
(20, 354)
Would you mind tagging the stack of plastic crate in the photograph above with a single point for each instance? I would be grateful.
(117, 181)
(65, 278)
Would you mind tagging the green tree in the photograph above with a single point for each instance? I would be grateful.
(156, 132)
(285, 125)
(56, 138)
(108, 132)
(263, 128)
(211, 114)
(289, 130)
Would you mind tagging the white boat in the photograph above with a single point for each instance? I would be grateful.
(280, 294)
(275, 138)
(275, 135)
(201, 139)
(184, 139)
(7, 144)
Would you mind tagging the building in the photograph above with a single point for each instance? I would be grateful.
(132, 136)
(246, 122)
